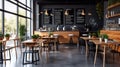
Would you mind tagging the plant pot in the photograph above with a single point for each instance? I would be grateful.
(1, 38)
(106, 40)
(34, 39)
(7, 38)
(94, 37)
(100, 39)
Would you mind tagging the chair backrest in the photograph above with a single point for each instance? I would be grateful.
(81, 42)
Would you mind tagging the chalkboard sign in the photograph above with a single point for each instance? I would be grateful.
(58, 16)
(69, 19)
(47, 18)
(80, 19)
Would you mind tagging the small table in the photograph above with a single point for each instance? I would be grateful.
(103, 44)
(87, 39)
(31, 44)
(4, 49)
(51, 39)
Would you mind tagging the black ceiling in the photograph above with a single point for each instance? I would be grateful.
(69, 1)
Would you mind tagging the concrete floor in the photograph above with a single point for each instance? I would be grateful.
(65, 57)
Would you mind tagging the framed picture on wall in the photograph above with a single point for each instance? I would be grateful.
(47, 16)
(58, 16)
(80, 16)
(69, 16)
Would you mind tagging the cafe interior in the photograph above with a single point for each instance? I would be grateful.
(51, 33)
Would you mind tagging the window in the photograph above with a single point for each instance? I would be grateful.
(22, 23)
(23, 1)
(13, 1)
(28, 27)
(10, 23)
(0, 21)
(10, 16)
(0, 4)
(22, 11)
(10, 7)
(28, 3)
(28, 13)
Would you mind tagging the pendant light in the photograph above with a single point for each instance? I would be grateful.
(66, 12)
(46, 12)
(83, 12)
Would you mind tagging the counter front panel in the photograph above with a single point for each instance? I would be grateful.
(63, 35)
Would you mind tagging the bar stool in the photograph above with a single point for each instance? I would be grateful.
(35, 56)
(70, 40)
(57, 40)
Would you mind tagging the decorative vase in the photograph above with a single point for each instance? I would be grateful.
(7, 38)
(100, 39)
(106, 40)
(1, 38)
(89, 36)
(33, 39)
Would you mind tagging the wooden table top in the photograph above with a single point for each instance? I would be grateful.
(87, 38)
(97, 42)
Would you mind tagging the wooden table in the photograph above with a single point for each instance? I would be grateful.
(4, 44)
(31, 44)
(104, 45)
(86, 40)
(51, 39)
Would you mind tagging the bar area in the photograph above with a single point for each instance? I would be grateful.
(55, 33)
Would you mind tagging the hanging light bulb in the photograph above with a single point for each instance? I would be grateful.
(66, 12)
(89, 14)
(83, 13)
(41, 12)
(46, 12)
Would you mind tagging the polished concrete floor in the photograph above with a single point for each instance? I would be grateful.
(65, 57)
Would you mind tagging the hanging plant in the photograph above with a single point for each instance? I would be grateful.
(110, 2)
(99, 9)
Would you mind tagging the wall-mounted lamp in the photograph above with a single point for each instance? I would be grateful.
(66, 12)
(46, 12)
(83, 12)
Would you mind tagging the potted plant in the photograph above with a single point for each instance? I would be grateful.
(35, 37)
(94, 35)
(105, 36)
(1, 36)
(7, 36)
(100, 37)
(89, 35)
(50, 34)
(22, 32)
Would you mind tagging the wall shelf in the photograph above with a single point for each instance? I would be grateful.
(114, 5)
(115, 15)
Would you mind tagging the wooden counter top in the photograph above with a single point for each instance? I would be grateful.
(113, 34)
(63, 35)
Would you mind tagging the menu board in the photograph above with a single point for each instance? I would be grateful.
(80, 19)
(58, 16)
(47, 18)
(69, 19)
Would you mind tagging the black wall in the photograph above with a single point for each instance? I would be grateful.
(91, 20)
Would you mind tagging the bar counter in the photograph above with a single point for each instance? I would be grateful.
(63, 35)
(113, 34)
